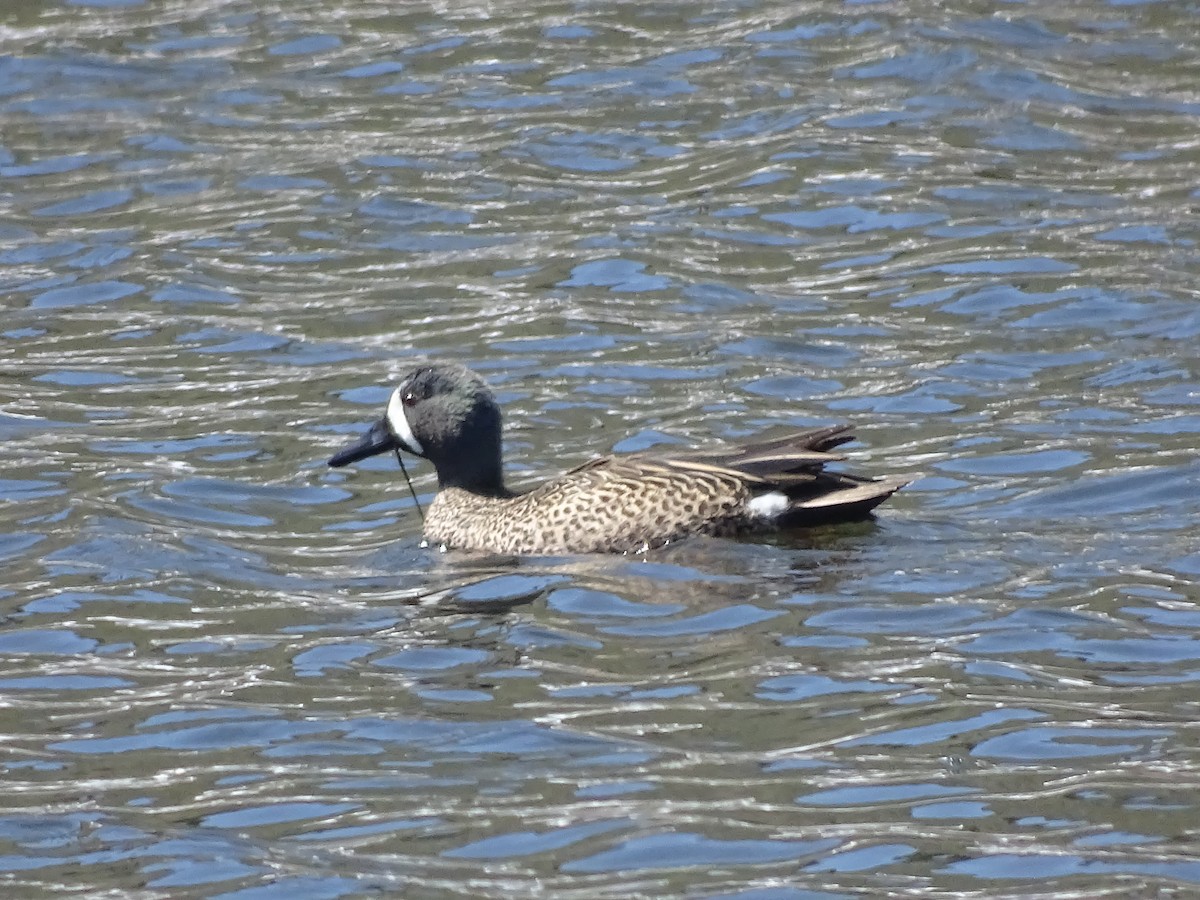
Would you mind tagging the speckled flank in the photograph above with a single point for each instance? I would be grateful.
(611, 507)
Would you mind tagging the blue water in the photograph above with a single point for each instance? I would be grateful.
(231, 672)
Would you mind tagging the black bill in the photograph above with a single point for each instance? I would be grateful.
(378, 440)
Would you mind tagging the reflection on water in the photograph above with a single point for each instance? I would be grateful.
(230, 672)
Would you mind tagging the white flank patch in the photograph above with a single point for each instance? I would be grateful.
(769, 506)
(400, 426)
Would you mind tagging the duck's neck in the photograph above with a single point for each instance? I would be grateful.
(477, 470)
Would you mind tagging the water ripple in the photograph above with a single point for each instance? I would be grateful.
(650, 226)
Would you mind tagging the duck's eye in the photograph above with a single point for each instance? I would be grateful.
(409, 399)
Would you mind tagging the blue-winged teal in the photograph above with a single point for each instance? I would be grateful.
(615, 504)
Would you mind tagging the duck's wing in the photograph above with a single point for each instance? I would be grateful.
(798, 456)
(756, 461)
(792, 466)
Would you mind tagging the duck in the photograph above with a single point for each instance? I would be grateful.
(618, 503)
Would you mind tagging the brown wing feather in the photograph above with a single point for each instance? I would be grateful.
(798, 456)
(793, 463)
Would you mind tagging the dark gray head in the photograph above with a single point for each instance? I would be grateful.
(447, 414)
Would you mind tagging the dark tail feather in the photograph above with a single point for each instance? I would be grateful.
(794, 464)
(853, 499)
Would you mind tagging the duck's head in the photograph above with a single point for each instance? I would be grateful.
(446, 414)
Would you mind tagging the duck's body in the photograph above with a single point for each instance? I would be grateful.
(612, 504)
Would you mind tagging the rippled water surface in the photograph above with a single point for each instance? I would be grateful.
(228, 671)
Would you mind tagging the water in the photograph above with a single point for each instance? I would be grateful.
(227, 671)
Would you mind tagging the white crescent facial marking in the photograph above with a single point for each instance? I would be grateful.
(400, 426)
(769, 506)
